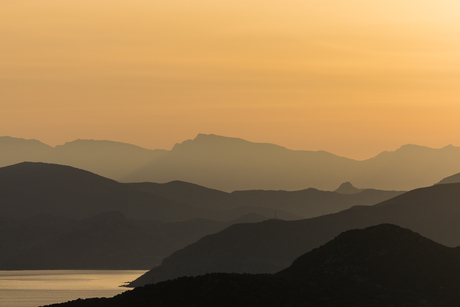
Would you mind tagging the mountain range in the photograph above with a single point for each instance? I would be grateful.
(28, 189)
(59, 217)
(383, 265)
(230, 164)
(218, 204)
(300, 204)
(34, 188)
(272, 245)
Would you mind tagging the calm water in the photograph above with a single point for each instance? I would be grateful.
(37, 288)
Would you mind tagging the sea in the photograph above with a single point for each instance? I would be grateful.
(38, 288)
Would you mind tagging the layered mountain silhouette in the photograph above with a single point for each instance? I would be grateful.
(383, 265)
(60, 217)
(301, 204)
(230, 164)
(28, 189)
(270, 246)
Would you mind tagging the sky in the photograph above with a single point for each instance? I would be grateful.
(352, 77)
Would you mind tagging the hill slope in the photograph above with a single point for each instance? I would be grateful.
(28, 189)
(270, 246)
(384, 265)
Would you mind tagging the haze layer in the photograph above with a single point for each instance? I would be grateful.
(353, 78)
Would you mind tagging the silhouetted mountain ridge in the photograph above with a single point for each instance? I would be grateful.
(106, 158)
(28, 189)
(301, 204)
(230, 164)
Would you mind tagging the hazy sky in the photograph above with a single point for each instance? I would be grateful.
(351, 77)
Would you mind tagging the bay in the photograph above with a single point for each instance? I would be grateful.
(38, 288)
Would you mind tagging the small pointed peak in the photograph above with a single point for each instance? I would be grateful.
(347, 188)
(450, 146)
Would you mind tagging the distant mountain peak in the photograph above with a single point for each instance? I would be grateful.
(347, 188)
(214, 141)
(8, 140)
(450, 147)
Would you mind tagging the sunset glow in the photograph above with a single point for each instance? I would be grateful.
(350, 77)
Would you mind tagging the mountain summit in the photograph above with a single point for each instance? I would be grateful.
(347, 188)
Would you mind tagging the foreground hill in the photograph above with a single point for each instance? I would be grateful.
(272, 245)
(384, 265)
(108, 240)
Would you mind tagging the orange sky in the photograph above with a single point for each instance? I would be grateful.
(350, 77)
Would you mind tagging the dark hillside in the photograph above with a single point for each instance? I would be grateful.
(379, 266)
(28, 189)
(108, 240)
(271, 246)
